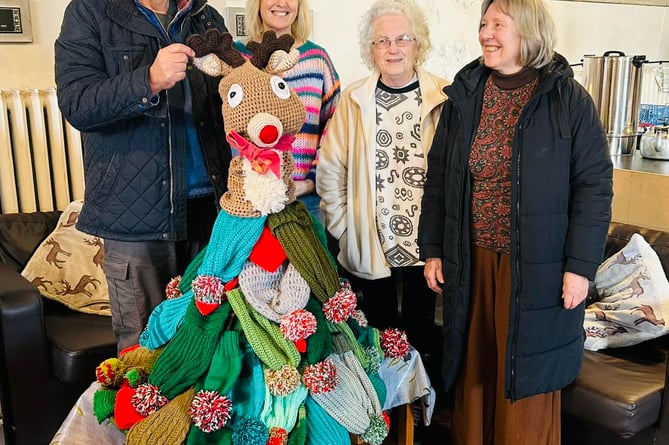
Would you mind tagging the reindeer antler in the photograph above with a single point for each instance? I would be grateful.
(262, 52)
(220, 44)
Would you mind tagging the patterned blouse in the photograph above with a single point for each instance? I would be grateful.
(504, 98)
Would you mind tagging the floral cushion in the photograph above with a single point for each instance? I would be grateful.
(633, 298)
(67, 266)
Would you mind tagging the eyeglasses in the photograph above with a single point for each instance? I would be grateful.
(401, 41)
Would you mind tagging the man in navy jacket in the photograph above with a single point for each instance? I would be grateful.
(155, 154)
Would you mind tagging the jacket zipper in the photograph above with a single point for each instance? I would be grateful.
(516, 258)
(516, 322)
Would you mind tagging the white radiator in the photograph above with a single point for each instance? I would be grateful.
(41, 164)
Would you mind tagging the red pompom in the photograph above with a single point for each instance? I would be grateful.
(342, 305)
(208, 289)
(321, 378)
(172, 289)
(210, 411)
(148, 399)
(394, 343)
(360, 317)
(277, 436)
(298, 325)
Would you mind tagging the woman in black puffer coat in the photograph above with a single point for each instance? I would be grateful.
(514, 218)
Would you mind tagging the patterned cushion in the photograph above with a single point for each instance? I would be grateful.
(67, 266)
(634, 298)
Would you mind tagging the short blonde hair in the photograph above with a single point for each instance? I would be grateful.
(535, 26)
(407, 8)
(300, 29)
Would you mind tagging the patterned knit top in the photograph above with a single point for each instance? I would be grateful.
(316, 82)
(400, 172)
(504, 98)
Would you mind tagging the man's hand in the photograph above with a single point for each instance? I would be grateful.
(169, 67)
(574, 289)
(433, 274)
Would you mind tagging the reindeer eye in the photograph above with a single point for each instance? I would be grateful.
(279, 87)
(235, 95)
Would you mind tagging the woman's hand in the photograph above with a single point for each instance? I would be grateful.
(574, 289)
(304, 187)
(433, 274)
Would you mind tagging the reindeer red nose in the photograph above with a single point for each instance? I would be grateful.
(268, 134)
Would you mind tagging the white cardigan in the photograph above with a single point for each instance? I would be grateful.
(346, 176)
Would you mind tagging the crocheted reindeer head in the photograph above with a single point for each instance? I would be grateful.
(261, 116)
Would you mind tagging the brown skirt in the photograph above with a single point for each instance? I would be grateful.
(482, 415)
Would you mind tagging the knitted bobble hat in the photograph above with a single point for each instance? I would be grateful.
(273, 294)
(321, 233)
(293, 228)
(264, 336)
(169, 424)
(343, 340)
(248, 393)
(187, 357)
(319, 344)
(353, 401)
(221, 436)
(226, 364)
(103, 403)
(211, 408)
(322, 429)
(281, 411)
(299, 434)
(141, 357)
(230, 245)
(164, 321)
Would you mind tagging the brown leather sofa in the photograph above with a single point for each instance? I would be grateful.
(48, 352)
(619, 397)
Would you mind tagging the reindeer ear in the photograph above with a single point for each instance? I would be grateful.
(212, 65)
(281, 61)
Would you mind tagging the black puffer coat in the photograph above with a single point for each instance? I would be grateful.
(561, 208)
(135, 149)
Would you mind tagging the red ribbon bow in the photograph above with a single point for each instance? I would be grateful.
(262, 159)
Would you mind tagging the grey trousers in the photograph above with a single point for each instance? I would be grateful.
(137, 272)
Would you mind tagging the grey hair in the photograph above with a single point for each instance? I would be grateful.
(535, 26)
(407, 8)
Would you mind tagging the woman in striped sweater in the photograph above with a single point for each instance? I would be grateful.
(313, 78)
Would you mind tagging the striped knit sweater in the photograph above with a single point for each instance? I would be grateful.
(316, 82)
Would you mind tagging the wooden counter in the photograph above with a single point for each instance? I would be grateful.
(641, 191)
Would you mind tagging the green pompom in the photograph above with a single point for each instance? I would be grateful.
(377, 431)
(135, 377)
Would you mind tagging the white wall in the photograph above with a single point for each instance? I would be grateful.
(583, 28)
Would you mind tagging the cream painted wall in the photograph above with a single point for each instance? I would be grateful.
(583, 28)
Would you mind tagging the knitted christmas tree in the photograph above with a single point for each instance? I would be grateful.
(260, 342)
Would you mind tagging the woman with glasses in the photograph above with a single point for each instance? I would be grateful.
(513, 224)
(313, 78)
(372, 170)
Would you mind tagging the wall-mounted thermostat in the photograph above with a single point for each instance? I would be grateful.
(15, 21)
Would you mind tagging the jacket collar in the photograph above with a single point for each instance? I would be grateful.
(432, 89)
(470, 78)
(126, 14)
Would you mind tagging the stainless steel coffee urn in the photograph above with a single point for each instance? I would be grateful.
(614, 82)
